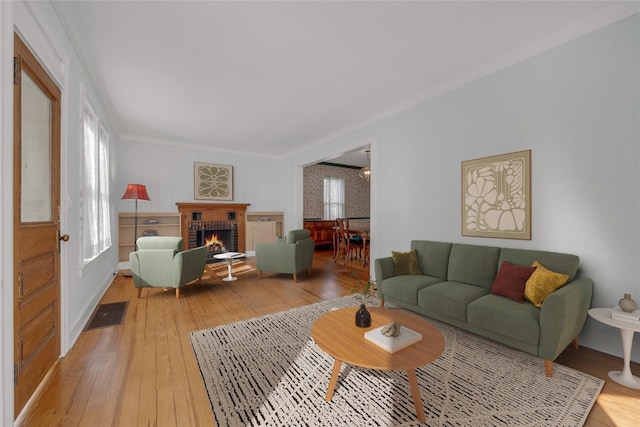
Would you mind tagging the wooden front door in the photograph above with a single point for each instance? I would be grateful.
(36, 223)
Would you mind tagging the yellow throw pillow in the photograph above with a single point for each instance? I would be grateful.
(542, 283)
(405, 263)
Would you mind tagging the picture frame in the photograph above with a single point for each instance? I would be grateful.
(496, 196)
(212, 181)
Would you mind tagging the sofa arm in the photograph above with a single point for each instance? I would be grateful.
(384, 270)
(188, 266)
(276, 257)
(562, 317)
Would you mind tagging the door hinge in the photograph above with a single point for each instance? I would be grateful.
(16, 70)
(16, 372)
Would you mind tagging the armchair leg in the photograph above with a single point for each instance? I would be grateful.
(295, 278)
(575, 343)
(548, 368)
(259, 275)
(177, 292)
(139, 292)
(309, 271)
(381, 303)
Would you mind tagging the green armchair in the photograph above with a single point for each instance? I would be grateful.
(289, 256)
(160, 262)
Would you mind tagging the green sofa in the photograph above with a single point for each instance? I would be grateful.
(160, 262)
(455, 288)
(290, 256)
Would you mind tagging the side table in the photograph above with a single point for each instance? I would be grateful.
(627, 329)
(229, 256)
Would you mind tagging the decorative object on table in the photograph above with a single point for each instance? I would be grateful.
(135, 192)
(627, 304)
(404, 338)
(213, 182)
(363, 317)
(363, 292)
(391, 330)
(460, 385)
(496, 196)
(365, 172)
(632, 316)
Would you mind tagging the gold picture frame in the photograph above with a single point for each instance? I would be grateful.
(496, 196)
(213, 182)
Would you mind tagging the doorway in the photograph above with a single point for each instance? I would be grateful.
(36, 223)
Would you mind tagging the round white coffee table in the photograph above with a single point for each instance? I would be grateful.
(624, 377)
(229, 256)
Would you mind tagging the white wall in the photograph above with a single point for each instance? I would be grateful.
(577, 108)
(81, 286)
(167, 171)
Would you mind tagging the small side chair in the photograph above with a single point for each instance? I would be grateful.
(160, 262)
(290, 256)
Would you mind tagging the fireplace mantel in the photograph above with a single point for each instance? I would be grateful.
(213, 212)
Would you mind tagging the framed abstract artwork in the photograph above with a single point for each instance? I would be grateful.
(496, 196)
(213, 182)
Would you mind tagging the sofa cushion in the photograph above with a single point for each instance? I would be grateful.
(506, 317)
(406, 288)
(450, 298)
(510, 281)
(433, 257)
(542, 283)
(473, 264)
(559, 262)
(405, 263)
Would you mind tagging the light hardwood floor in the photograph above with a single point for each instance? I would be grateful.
(143, 372)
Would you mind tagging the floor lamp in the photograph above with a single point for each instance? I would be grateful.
(135, 191)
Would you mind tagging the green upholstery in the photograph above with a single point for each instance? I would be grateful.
(433, 257)
(290, 256)
(455, 288)
(160, 262)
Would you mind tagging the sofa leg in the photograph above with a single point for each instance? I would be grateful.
(139, 292)
(575, 343)
(177, 292)
(548, 368)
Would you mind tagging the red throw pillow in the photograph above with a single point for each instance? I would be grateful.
(510, 281)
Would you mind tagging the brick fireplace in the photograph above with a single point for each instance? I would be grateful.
(227, 221)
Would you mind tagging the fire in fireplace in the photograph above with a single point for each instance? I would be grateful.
(216, 241)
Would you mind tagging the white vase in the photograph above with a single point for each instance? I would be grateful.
(627, 304)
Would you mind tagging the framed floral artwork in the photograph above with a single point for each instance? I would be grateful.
(213, 182)
(496, 196)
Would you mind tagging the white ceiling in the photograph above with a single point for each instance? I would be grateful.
(271, 78)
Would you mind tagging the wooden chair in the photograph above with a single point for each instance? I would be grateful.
(346, 245)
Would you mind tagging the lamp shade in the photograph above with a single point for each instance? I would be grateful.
(136, 191)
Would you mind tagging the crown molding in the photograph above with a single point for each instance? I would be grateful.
(136, 139)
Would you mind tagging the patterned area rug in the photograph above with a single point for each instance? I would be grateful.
(267, 371)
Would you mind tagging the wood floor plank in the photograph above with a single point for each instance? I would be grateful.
(144, 373)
